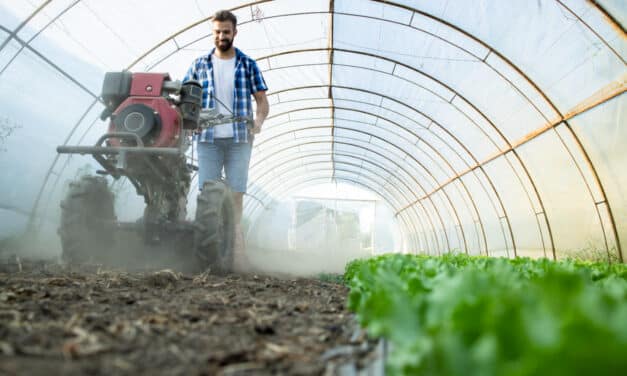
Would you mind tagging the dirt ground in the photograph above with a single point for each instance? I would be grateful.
(57, 319)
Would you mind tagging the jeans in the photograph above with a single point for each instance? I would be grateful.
(225, 154)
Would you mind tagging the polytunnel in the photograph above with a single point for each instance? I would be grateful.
(486, 127)
(438, 188)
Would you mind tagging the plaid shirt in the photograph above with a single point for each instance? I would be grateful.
(248, 80)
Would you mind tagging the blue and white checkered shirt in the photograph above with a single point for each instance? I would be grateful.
(248, 80)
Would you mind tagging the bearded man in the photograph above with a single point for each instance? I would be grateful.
(229, 79)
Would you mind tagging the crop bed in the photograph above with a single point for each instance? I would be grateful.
(460, 315)
(85, 320)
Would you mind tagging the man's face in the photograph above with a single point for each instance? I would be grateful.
(223, 33)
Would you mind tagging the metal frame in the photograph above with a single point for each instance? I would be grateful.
(298, 182)
(604, 97)
(290, 147)
(402, 152)
(379, 188)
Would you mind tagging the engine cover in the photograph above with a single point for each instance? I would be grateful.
(153, 119)
(138, 119)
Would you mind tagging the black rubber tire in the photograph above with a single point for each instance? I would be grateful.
(214, 234)
(87, 220)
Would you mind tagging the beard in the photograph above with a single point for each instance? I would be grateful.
(224, 45)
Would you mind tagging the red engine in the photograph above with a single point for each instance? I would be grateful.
(149, 106)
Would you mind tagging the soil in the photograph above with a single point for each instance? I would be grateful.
(76, 320)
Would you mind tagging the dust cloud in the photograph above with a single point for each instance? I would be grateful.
(282, 261)
(298, 263)
(33, 245)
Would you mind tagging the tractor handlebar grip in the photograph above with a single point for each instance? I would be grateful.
(205, 121)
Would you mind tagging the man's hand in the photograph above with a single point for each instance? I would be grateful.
(257, 125)
(263, 107)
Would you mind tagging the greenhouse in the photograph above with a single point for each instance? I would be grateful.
(436, 189)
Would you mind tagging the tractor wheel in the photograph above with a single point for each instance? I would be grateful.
(87, 220)
(214, 234)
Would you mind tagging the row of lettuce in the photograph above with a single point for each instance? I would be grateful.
(460, 315)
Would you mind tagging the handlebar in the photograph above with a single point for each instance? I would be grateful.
(211, 118)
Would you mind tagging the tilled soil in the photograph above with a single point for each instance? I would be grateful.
(78, 320)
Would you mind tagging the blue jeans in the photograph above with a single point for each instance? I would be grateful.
(224, 153)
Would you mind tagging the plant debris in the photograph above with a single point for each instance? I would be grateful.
(85, 320)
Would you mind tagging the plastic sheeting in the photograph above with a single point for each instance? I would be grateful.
(488, 127)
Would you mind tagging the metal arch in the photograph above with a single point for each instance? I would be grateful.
(465, 197)
(367, 146)
(415, 160)
(483, 115)
(442, 163)
(316, 153)
(276, 186)
(298, 183)
(192, 25)
(396, 62)
(516, 154)
(296, 172)
(470, 169)
(309, 154)
(332, 12)
(612, 20)
(372, 134)
(409, 224)
(488, 178)
(272, 141)
(509, 148)
(68, 157)
(583, 151)
(433, 121)
(498, 155)
(50, 63)
(461, 144)
(286, 149)
(285, 188)
(493, 50)
(580, 145)
(476, 109)
(416, 181)
(373, 151)
(451, 211)
(347, 172)
(426, 128)
(13, 34)
(31, 218)
(608, 16)
(384, 157)
(26, 44)
(512, 148)
(553, 125)
(359, 184)
(479, 165)
(271, 188)
(260, 180)
(331, 51)
(330, 94)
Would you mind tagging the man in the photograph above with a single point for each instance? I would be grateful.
(229, 78)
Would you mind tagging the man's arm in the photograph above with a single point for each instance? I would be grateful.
(263, 107)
